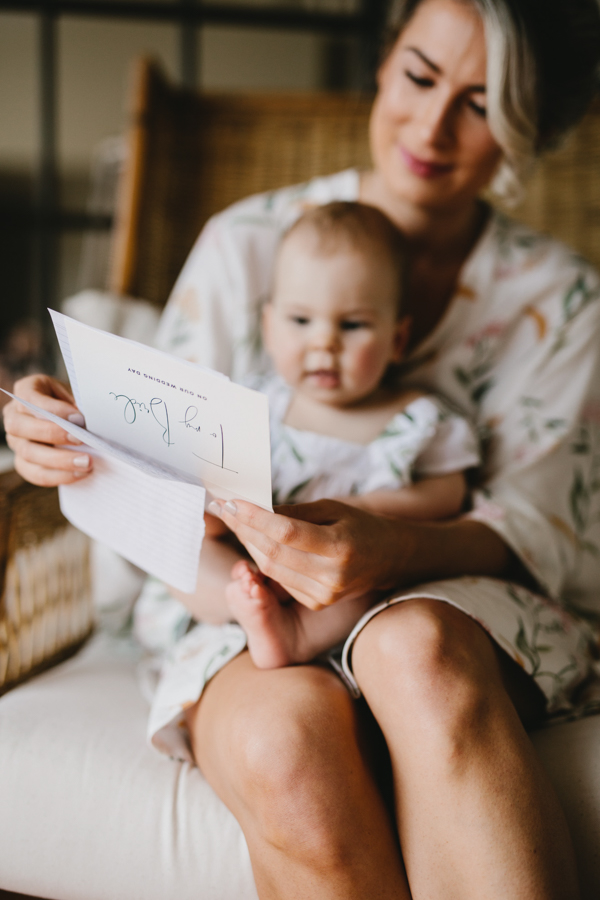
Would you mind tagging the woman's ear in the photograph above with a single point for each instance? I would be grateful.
(401, 338)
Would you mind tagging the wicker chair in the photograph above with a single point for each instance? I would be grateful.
(190, 155)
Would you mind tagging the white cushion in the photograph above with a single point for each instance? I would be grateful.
(570, 754)
(125, 316)
(88, 812)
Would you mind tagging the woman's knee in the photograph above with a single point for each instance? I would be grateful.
(426, 657)
(282, 758)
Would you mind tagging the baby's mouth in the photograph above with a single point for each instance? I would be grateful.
(324, 378)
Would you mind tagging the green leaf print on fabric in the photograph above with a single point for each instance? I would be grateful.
(394, 428)
(576, 299)
(252, 340)
(535, 626)
(469, 380)
(295, 492)
(476, 377)
(533, 422)
(478, 393)
(295, 452)
(584, 492)
(510, 238)
(180, 329)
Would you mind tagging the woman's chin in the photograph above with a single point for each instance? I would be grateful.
(428, 194)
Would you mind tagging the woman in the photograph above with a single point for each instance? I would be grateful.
(506, 323)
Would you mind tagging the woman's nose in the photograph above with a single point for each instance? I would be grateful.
(435, 121)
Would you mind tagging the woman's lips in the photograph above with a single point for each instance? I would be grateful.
(422, 168)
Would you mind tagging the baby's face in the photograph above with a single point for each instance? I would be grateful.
(331, 327)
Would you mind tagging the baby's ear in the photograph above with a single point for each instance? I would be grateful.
(401, 337)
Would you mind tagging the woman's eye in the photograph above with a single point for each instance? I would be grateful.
(299, 320)
(478, 110)
(416, 79)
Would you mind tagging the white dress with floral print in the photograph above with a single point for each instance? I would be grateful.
(517, 352)
(427, 438)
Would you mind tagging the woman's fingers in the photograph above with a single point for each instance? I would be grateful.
(52, 396)
(20, 423)
(37, 458)
(313, 592)
(295, 527)
(50, 457)
(45, 477)
(49, 466)
(313, 551)
(43, 390)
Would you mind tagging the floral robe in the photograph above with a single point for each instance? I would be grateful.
(517, 351)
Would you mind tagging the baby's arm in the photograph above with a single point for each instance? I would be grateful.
(439, 497)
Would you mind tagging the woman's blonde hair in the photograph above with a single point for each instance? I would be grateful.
(542, 71)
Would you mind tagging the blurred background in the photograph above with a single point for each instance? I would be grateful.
(65, 68)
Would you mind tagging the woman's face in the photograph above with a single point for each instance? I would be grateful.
(430, 140)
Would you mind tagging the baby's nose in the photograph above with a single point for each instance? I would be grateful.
(325, 337)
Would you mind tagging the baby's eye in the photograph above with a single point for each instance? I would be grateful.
(299, 320)
(423, 82)
(353, 324)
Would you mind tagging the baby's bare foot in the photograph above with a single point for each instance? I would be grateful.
(270, 626)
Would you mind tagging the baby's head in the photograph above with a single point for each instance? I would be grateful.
(334, 322)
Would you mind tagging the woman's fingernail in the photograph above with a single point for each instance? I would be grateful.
(76, 419)
(82, 462)
(214, 508)
(231, 508)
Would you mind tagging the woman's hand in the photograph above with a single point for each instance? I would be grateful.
(328, 551)
(36, 441)
(319, 552)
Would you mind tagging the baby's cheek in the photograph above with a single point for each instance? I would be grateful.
(371, 363)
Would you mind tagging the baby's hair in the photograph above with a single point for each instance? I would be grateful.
(348, 224)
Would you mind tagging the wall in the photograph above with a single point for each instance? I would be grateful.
(94, 59)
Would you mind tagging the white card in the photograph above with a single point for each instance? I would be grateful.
(172, 412)
(160, 430)
(144, 512)
(156, 523)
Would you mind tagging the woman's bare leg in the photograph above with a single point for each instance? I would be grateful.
(281, 748)
(477, 816)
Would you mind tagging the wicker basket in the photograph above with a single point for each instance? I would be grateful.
(46, 603)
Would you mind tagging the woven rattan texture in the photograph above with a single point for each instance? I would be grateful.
(196, 154)
(45, 606)
(192, 155)
(563, 197)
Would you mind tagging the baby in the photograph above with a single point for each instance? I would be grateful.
(341, 425)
